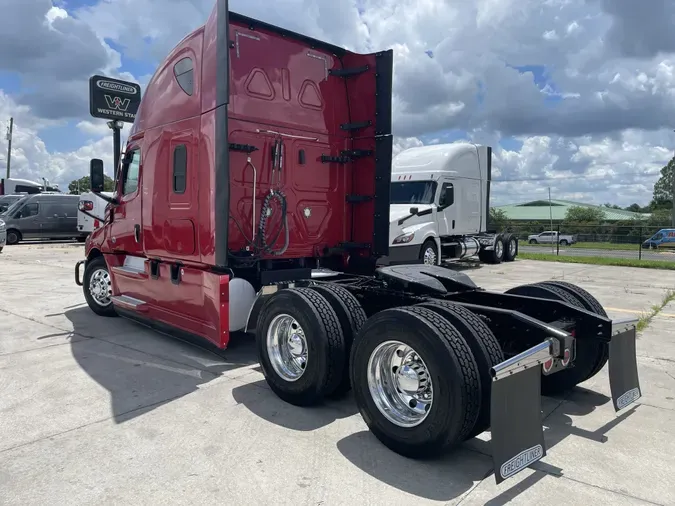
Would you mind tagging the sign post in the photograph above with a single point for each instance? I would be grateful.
(114, 100)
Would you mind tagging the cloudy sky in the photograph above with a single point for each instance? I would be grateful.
(576, 95)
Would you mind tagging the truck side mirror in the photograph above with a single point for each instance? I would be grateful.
(96, 177)
(414, 210)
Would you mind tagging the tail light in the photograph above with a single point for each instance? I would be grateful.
(86, 205)
(97, 224)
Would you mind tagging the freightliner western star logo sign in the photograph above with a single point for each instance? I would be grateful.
(113, 99)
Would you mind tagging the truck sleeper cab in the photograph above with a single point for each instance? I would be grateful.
(440, 207)
(254, 195)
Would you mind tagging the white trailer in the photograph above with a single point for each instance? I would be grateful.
(440, 206)
(91, 213)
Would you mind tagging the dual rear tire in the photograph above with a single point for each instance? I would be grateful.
(505, 249)
(419, 374)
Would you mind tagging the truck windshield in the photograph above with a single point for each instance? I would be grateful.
(12, 208)
(413, 192)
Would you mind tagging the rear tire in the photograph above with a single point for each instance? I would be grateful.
(589, 303)
(510, 248)
(588, 352)
(351, 316)
(300, 346)
(484, 346)
(441, 361)
(496, 254)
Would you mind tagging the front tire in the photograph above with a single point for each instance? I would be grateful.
(97, 287)
(13, 237)
(415, 381)
(301, 346)
(429, 252)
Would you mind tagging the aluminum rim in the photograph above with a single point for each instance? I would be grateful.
(399, 383)
(430, 256)
(287, 347)
(512, 247)
(100, 287)
(499, 248)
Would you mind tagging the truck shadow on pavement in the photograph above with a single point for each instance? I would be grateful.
(143, 369)
(449, 476)
(271, 408)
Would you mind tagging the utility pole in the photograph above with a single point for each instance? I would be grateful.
(550, 214)
(10, 129)
(672, 182)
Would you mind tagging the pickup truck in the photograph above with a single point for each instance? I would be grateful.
(548, 237)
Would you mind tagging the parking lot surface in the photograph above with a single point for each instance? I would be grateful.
(103, 411)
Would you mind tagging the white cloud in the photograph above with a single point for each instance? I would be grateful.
(30, 157)
(600, 121)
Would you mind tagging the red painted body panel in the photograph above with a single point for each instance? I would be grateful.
(280, 88)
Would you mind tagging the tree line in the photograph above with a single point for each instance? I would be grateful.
(592, 221)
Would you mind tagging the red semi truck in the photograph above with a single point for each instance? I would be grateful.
(253, 194)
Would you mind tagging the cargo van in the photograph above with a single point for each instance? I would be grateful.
(664, 238)
(8, 200)
(42, 216)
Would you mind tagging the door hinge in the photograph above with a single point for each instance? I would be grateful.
(354, 71)
(356, 126)
(335, 159)
(356, 199)
(245, 148)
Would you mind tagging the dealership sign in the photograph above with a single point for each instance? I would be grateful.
(113, 99)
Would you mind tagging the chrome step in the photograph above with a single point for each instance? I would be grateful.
(125, 300)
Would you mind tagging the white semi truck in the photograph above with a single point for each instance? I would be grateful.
(440, 206)
(91, 209)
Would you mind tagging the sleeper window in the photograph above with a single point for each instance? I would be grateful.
(179, 168)
(184, 73)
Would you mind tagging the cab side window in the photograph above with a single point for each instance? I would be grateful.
(447, 195)
(130, 183)
(27, 211)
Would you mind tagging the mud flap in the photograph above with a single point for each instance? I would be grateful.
(516, 421)
(623, 374)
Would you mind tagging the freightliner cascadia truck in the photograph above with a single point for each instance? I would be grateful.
(253, 195)
(440, 207)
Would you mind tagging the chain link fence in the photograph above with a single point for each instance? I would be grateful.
(636, 242)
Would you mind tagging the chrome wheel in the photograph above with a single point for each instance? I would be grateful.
(287, 347)
(429, 256)
(499, 248)
(399, 383)
(512, 248)
(100, 287)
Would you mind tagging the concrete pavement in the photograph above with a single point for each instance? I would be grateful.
(103, 411)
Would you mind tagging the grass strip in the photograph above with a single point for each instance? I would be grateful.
(618, 262)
